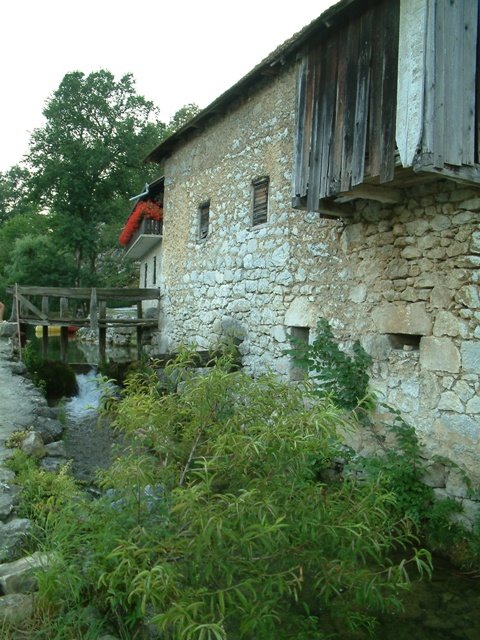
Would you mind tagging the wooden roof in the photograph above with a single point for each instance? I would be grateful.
(270, 66)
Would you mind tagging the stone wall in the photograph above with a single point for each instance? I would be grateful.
(403, 279)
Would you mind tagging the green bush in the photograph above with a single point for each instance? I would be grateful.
(246, 543)
(336, 374)
(215, 526)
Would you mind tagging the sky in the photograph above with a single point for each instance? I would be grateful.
(179, 51)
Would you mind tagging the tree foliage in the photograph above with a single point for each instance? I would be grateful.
(87, 158)
(14, 193)
(182, 116)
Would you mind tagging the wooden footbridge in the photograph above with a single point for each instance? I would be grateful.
(66, 307)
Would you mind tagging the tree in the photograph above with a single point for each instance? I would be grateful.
(38, 259)
(182, 116)
(14, 193)
(87, 158)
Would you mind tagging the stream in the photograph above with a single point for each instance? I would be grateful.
(88, 438)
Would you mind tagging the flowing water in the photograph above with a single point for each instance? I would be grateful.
(88, 437)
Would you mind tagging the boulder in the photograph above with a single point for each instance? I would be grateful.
(56, 449)
(49, 429)
(16, 608)
(19, 576)
(32, 445)
(6, 505)
(12, 535)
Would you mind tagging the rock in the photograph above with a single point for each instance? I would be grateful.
(7, 329)
(439, 354)
(56, 449)
(12, 535)
(18, 576)
(49, 429)
(455, 484)
(16, 608)
(52, 464)
(435, 475)
(6, 476)
(19, 369)
(32, 445)
(6, 505)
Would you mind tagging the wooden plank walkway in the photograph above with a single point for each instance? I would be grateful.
(71, 310)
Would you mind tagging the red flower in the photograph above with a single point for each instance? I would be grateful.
(143, 209)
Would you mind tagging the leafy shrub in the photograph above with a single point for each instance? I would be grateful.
(215, 525)
(342, 377)
(247, 543)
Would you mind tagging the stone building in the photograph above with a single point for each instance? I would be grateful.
(340, 179)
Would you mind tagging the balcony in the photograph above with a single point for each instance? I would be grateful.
(145, 239)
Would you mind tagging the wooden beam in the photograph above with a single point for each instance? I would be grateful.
(63, 307)
(299, 203)
(102, 332)
(139, 331)
(329, 209)
(93, 310)
(385, 195)
(45, 341)
(29, 305)
(84, 293)
(63, 344)
(424, 163)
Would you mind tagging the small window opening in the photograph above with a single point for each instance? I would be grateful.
(154, 276)
(260, 201)
(404, 341)
(203, 220)
(300, 336)
(145, 276)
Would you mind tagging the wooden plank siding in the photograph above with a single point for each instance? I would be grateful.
(346, 101)
(452, 104)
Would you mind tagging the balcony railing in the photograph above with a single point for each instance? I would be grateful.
(145, 238)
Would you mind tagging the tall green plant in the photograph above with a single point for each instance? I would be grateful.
(335, 373)
(250, 544)
(215, 526)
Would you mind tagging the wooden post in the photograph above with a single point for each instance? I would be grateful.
(45, 341)
(63, 307)
(45, 328)
(63, 344)
(139, 331)
(19, 331)
(102, 332)
(93, 310)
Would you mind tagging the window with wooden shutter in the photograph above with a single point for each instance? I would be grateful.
(203, 220)
(260, 201)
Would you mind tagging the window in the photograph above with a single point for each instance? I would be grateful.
(405, 342)
(203, 220)
(154, 277)
(260, 201)
(300, 337)
(145, 276)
